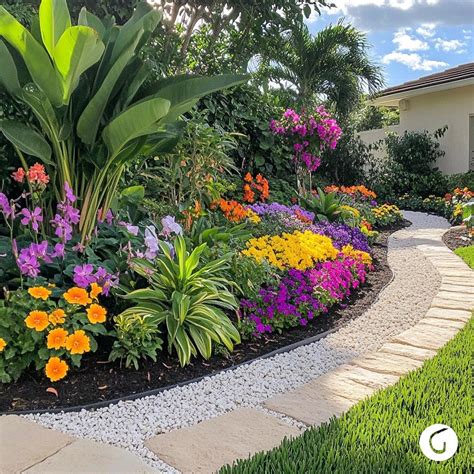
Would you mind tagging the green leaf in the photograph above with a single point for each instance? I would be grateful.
(26, 140)
(87, 18)
(91, 117)
(35, 56)
(133, 122)
(180, 305)
(54, 19)
(77, 50)
(8, 71)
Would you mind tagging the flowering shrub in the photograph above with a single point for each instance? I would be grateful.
(50, 329)
(309, 134)
(357, 192)
(255, 189)
(299, 250)
(236, 212)
(301, 296)
(386, 214)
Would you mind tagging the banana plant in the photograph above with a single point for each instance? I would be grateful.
(188, 298)
(85, 86)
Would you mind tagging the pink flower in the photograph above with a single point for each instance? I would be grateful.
(19, 175)
(34, 217)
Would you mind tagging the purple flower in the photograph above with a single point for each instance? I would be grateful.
(69, 193)
(106, 280)
(5, 206)
(274, 208)
(70, 213)
(132, 229)
(83, 275)
(170, 226)
(34, 217)
(28, 263)
(63, 229)
(58, 251)
(151, 242)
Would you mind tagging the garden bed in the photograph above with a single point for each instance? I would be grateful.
(457, 237)
(99, 381)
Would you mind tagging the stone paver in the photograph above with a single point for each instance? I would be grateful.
(445, 303)
(427, 337)
(24, 443)
(387, 363)
(455, 288)
(308, 405)
(86, 456)
(375, 380)
(205, 447)
(443, 323)
(343, 386)
(411, 352)
(445, 313)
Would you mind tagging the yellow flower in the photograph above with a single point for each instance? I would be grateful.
(57, 338)
(77, 296)
(96, 290)
(37, 320)
(2, 344)
(57, 317)
(96, 313)
(350, 251)
(355, 212)
(39, 292)
(56, 369)
(78, 342)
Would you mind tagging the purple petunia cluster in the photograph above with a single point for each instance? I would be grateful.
(341, 235)
(303, 295)
(274, 208)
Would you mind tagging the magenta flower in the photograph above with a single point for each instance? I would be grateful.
(32, 217)
(5, 206)
(83, 276)
(63, 229)
(69, 193)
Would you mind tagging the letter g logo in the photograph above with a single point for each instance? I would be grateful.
(439, 442)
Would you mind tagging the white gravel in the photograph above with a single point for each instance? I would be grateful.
(400, 305)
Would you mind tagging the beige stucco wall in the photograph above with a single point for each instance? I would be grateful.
(434, 110)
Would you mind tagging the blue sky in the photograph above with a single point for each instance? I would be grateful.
(410, 38)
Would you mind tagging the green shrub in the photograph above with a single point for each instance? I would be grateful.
(188, 299)
(381, 434)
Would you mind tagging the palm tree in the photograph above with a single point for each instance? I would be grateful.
(334, 63)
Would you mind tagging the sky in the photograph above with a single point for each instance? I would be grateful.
(409, 38)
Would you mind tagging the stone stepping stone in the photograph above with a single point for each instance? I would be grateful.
(451, 304)
(411, 352)
(24, 444)
(447, 287)
(86, 456)
(374, 380)
(445, 313)
(427, 337)
(442, 323)
(205, 447)
(387, 363)
(461, 273)
(310, 404)
(456, 296)
(459, 280)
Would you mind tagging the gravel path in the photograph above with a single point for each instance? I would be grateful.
(400, 306)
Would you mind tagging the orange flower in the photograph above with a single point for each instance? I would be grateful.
(57, 338)
(37, 320)
(96, 313)
(233, 211)
(56, 369)
(39, 292)
(37, 174)
(57, 317)
(96, 290)
(2, 344)
(248, 178)
(78, 342)
(77, 295)
(249, 195)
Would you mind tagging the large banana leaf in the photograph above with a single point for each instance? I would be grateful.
(34, 55)
(133, 122)
(26, 140)
(90, 118)
(54, 19)
(87, 18)
(76, 51)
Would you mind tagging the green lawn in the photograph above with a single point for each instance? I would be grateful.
(381, 434)
(467, 254)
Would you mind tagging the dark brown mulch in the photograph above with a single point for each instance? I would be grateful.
(457, 237)
(99, 380)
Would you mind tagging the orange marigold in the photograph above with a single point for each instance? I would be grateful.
(57, 316)
(57, 338)
(96, 313)
(249, 195)
(37, 320)
(2, 344)
(39, 292)
(96, 290)
(77, 295)
(78, 342)
(56, 369)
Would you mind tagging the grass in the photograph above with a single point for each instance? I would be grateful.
(467, 254)
(381, 434)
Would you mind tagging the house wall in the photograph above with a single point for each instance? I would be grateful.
(434, 110)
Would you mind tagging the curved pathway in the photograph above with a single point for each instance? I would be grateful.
(254, 406)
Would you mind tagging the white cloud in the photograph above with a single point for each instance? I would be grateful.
(413, 60)
(427, 30)
(448, 45)
(405, 42)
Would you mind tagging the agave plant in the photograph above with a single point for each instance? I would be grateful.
(188, 298)
(326, 206)
(86, 87)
